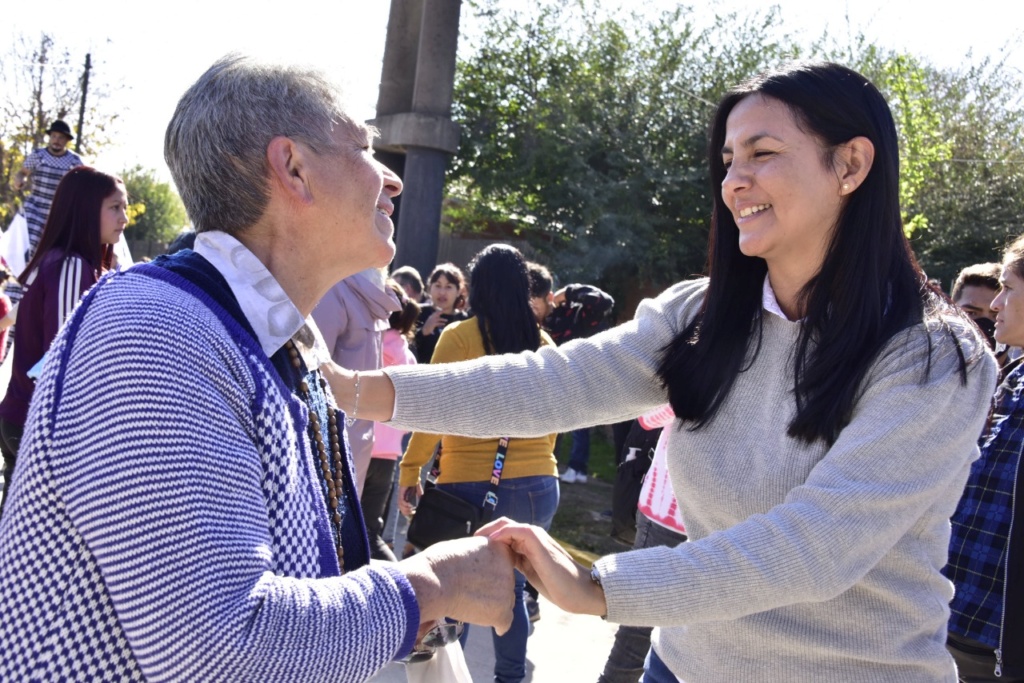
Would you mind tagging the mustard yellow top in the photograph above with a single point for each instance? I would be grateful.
(464, 459)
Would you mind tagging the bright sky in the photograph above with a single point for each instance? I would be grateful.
(157, 50)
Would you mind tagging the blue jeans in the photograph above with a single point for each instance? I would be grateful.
(655, 670)
(579, 452)
(532, 500)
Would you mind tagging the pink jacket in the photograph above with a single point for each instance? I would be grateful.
(387, 441)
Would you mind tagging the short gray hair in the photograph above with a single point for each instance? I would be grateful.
(216, 142)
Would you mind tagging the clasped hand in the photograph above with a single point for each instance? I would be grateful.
(548, 566)
(471, 579)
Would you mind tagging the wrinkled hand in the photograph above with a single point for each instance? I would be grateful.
(547, 565)
(469, 579)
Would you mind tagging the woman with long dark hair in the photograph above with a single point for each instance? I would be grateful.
(502, 322)
(87, 217)
(827, 402)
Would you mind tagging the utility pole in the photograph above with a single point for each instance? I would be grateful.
(81, 107)
(414, 116)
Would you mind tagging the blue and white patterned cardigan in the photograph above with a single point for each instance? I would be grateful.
(162, 519)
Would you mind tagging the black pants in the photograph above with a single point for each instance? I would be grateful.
(375, 501)
(10, 440)
(626, 660)
(975, 662)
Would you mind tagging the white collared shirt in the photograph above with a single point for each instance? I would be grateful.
(769, 302)
(272, 315)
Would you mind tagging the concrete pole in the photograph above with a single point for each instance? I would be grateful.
(414, 116)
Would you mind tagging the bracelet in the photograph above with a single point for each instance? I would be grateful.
(355, 406)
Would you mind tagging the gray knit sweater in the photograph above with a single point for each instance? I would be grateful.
(805, 562)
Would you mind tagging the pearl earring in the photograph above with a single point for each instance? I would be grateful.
(846, 187)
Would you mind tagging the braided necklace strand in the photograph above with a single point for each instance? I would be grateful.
(335, 480)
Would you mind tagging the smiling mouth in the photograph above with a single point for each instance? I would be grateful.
(751, 210)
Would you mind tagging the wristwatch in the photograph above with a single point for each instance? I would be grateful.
(595, 576)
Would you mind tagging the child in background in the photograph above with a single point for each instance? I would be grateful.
(377, 498)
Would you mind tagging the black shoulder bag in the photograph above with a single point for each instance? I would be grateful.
(441, 516)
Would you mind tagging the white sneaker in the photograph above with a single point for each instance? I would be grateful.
(571, 476)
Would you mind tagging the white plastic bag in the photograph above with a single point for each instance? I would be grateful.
(448, 665)
(14, 244)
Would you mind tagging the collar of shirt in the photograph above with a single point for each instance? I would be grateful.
(272, 315)
(769, 302)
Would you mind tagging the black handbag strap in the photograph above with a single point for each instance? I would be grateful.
(491, 497)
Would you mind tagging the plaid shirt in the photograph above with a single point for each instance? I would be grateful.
(982, 521)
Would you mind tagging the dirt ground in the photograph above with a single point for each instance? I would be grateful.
(584, 517)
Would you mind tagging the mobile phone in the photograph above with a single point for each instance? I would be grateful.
(411, 497)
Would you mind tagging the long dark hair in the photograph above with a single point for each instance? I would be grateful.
(869, 286)
(499, 295)
(73, 225)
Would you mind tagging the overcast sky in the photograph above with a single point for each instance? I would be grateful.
(157, 53)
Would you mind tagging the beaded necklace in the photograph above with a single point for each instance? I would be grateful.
(335, 480)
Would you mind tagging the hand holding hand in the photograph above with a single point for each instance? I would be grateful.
(549, 567)
(469, 579)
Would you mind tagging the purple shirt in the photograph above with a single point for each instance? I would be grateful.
(55, 288)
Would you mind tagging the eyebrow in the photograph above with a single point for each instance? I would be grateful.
(751, 141)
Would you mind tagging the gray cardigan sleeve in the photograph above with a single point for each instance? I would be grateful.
(607, 378)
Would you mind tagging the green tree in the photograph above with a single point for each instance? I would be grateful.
(974, 199)
(155, 212)
(40, 82)
(594, 139)
(588, 132)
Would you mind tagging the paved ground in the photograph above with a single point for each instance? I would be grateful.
(563, 647)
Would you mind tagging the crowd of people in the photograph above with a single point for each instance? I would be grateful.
(218, 445)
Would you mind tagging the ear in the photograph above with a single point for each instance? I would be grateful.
(288, 165)
(854, 160)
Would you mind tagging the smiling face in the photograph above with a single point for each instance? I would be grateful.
(354, 192)
(444, 292)
(114, 216)
(782, 196)
(1009, 308)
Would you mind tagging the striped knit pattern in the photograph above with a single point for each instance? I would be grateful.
(69, 287)
(47, 171)
(161, 524)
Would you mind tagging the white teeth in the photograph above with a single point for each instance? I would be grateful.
(751, 210)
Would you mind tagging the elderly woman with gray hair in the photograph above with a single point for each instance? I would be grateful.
(200, 521)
